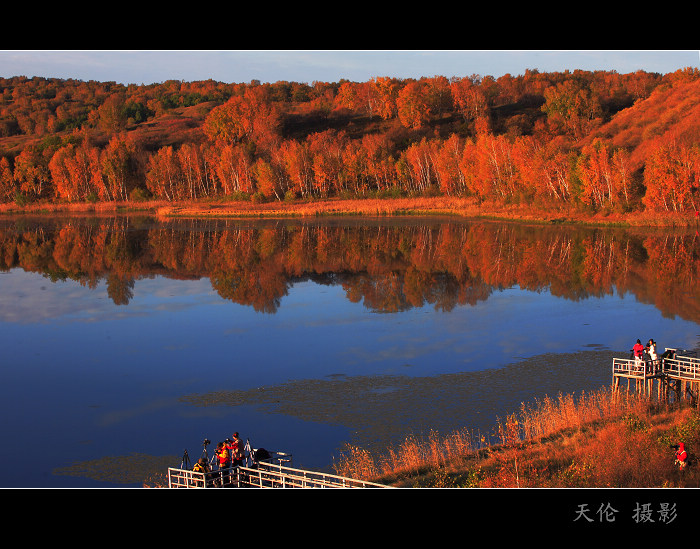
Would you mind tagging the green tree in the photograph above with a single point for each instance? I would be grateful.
(571, 108)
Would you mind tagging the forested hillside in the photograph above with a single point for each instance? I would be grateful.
(599, 141)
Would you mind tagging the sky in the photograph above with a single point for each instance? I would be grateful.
(240, 66)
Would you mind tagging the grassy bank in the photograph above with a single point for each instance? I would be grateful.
(370, 207)
(594, 441)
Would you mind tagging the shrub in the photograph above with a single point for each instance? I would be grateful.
(139, 195)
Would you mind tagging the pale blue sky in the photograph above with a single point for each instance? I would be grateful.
(149, 66)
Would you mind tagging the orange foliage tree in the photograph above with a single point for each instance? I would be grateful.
(413, 106)
(196, 169)
(469, 99)
(243, 117)
(119, 162)
(605, 176)
(672, 178)
(387, 90)
(76, 173)
(420, 159)
(7, 181)
(369, 98)
(31, 171)
(543, 169)
(447, 167)
(234, 169)
(379, 165)
(271, 177)
(299, 166)
(495, 167)
(327, 152)
(162, 175)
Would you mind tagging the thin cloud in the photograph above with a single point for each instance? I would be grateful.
(154, 66)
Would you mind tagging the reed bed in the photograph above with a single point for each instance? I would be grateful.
(413, 454)
(369, 206)
(627, 450)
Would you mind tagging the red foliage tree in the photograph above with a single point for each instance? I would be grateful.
(447, 166)
(672, 178)
(413, 105)
(163, 174)
(31, 171)
(7, 181)
(234, 170)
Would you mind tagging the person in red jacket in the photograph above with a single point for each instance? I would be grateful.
(681, 456)
(235, 447)
(638, 352)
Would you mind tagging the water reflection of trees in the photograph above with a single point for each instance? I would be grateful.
(388, 265)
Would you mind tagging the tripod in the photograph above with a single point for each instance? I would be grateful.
(206, 456)
(185, 463)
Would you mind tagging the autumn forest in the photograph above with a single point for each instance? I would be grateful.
(589, 141)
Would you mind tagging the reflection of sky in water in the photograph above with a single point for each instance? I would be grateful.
(92, 379)
(181, 326)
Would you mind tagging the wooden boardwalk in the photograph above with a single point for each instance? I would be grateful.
(273, 472)
(263, 475)
(674, 378)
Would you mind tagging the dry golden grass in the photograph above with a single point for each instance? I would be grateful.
(47, 207)
(597, 440)
(373, 207)
(367, 207)
(328, 207)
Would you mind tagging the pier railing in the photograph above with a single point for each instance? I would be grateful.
(683, 367)
(628, 367)
(676, 373)
(271, 475)
(263, 475)
(184, 478)
(273, 472)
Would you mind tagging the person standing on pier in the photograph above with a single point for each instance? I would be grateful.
(201, 466)
(651, 349)
(638, 351)
(234, 446)
(224, 456)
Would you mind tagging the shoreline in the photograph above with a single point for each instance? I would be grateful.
(364, 207)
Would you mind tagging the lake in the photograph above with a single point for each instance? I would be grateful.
(127, 340)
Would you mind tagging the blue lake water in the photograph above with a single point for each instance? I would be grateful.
(111, 390)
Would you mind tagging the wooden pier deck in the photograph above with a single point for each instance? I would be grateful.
(671, 378)
(273, 472)
(263, 475)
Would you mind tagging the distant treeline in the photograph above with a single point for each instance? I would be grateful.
(599, 140)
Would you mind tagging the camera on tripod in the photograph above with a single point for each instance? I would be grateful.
(206, 441)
